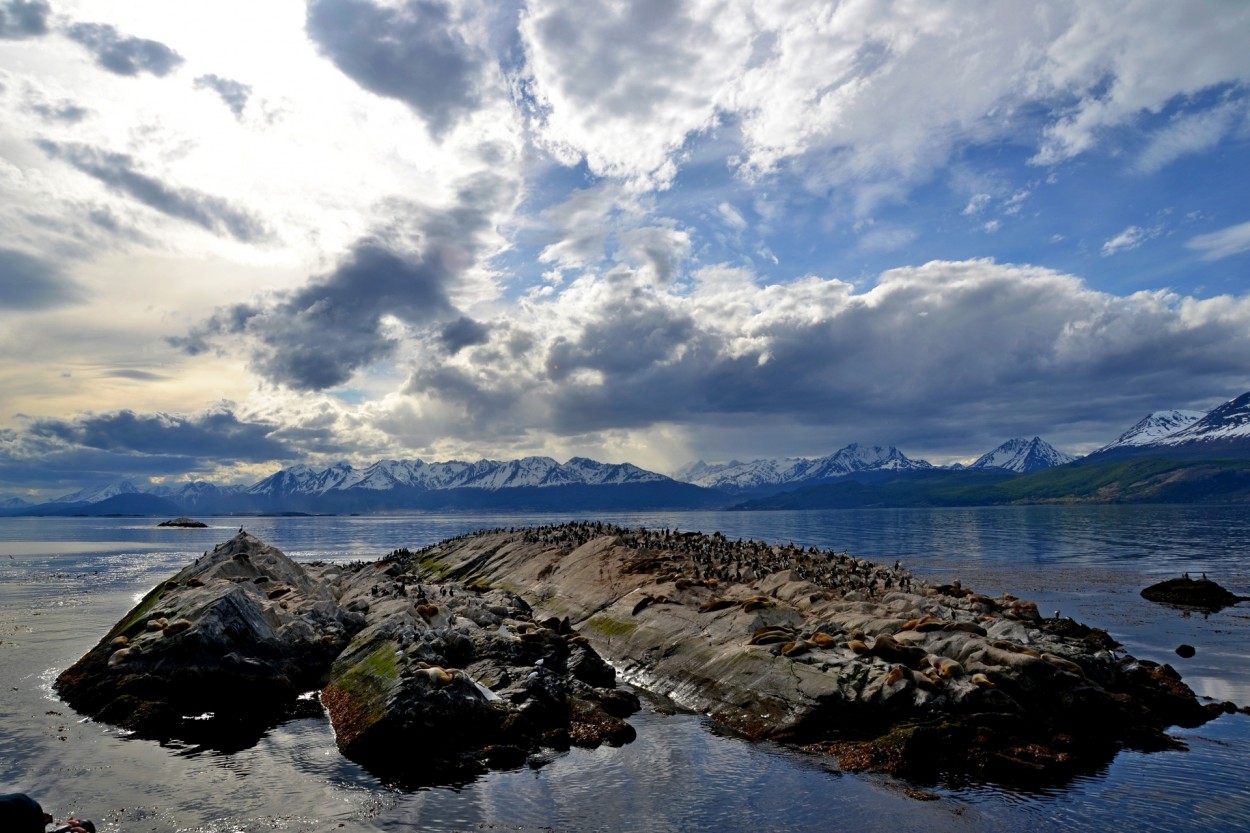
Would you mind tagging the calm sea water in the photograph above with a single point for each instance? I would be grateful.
(64, 582)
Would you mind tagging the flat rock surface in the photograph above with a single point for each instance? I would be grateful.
(835, 654)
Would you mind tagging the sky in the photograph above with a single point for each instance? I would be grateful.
(236, 236)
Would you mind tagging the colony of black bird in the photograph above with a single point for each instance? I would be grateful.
(712, 559)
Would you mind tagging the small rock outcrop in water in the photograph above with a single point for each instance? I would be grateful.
(1187, 592)
(189, 523)
(422, 682)
(838, 655)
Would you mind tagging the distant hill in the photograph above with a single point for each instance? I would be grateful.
(129, 503)
(1138, 480)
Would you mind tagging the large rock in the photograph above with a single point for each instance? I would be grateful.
(836, 654)
(238, 635)
(1202, 593)
(422, 682)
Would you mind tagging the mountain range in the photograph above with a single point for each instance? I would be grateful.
(542, 483)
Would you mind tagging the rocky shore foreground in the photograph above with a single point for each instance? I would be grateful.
(488, 649)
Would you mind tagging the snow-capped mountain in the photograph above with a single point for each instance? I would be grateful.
(14, 503)
(1230, 421)
(737, 477)
(490, 475)
(196, 493)
(302, 480)
(95, 494)
(1023, 456)
(1153, 428)
(1221, 432)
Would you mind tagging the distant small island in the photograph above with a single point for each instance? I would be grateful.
(1187, 592)
(189, 523)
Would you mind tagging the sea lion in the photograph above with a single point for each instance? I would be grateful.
(794, 649)
(717, 604)
(945, 667)
(924, 624)
(771, 635)
(176, 627)
(823, 640)
(888, 648)
(118, 657)
(1064, 664)
(437, 675)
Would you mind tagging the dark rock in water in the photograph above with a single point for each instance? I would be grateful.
(423, 683)
(1187, 592)
(1185, 651)
(836, 655)
(189, 523)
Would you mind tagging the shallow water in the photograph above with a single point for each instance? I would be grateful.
(64, 582)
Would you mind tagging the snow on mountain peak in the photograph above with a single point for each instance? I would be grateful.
(740, 477)
(1023, 456)
(1153, 428)
(1230, 421)
(95, 494)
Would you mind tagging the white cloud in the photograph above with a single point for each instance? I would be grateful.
(976, 205)
(1129, 239)
(731, 216)
(1190, 133)
(1015, 202)
(1119, 63)
(886, 238)
(622, 85)
(1223, 243)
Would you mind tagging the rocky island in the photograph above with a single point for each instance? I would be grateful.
(1202, 593)
(184, 522)
(486, 649)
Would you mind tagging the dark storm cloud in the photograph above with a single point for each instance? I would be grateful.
(28, 283)
(463, 332)
(118, 172)
(24, 19)
(317, 336)
(215, 435)
(124, 55)
(62, 454)
(410, 53)
(950, 356)
(233, 93)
